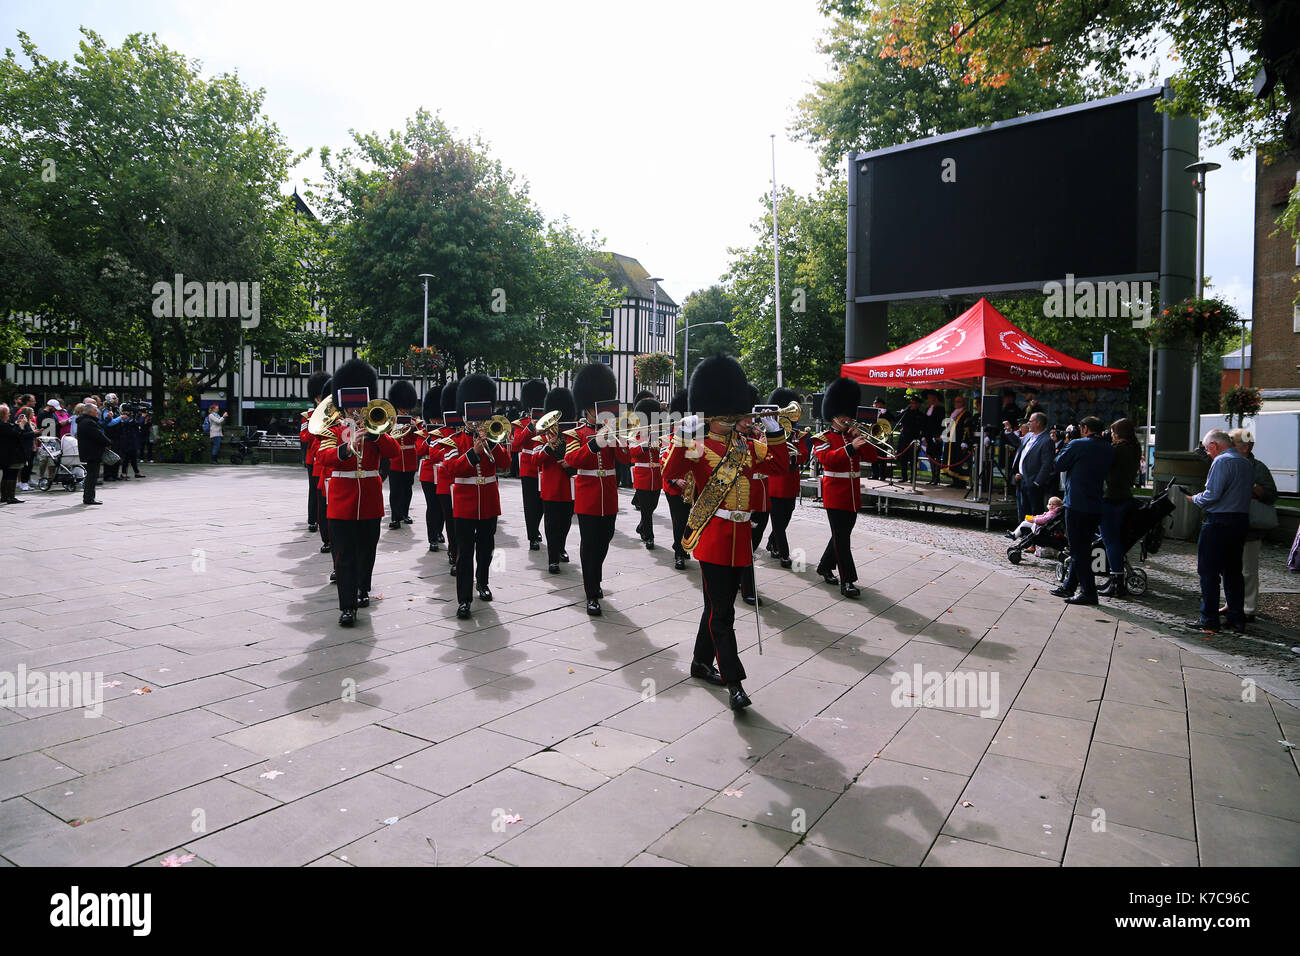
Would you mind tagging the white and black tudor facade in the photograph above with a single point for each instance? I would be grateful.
(269, 394)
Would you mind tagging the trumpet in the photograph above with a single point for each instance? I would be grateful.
(495, 430)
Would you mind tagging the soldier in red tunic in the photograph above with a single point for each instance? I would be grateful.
(453, 421)
(355, 502)
(401, 473)
(431, 415)
(555, 480)
(783, 488)
(593, 455)
(839, 451)
(675, 489)
(317, 387)
(476, 499)
(723, 463)
(525, 445)
(647, 470)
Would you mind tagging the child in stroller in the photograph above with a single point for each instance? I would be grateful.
(60, 463)
(1042, 534)
(1144, 524)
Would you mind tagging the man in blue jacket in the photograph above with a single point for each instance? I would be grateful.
(1032, 468)
(1085, 461)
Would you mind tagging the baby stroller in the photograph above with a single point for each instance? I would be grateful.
(1050, 535)
(1144, 524)
(59, 463)
(243, 446)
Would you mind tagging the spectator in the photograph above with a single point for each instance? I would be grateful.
(12, 457)
(214, 426)
(1226, 504)
(26, 422)
(1033, 467)
(1085, 462)
(1263, 496)
(113, 427)
(147, 434)
(1118, 502)
(91, 444)
(129, 440)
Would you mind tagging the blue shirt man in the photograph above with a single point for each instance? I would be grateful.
(1226, 504)
(1085, 461)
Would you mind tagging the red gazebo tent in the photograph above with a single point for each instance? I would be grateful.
(980, 348)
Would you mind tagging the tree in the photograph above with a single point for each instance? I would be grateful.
(881, 94)
(813, 252)
(701, 308)
(509, 289)
(127, 169)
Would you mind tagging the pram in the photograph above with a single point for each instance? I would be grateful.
(1144, 524)
(59, 463)
(243, 446)
(1051, 535)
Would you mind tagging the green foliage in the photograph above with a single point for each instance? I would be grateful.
(701, 308)
(180, 428)
(1192, 320)
(653, 368)
(509, 290)
(126, 168)
(812, 240)
(12, 340)
(1241, 401)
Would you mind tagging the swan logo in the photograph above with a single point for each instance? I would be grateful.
(939, 345)
(1016, 342)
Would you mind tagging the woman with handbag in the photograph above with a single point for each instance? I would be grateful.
(1117, 501)
(1263, 517)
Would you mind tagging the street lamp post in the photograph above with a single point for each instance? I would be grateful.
(686, 348)
(654, 308)
(1200, 169)
(426, 276)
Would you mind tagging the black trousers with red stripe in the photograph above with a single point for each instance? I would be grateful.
(646, 502)
(401, 485)
(432, 510)
(532, 508)
(449, 522)
(558, 517)
(716, 638)
(594, 535)
(355, 543)
(757, 525)
(777, 542)
(839, 550)
(313, 496)
(678, 510)
(476, 537)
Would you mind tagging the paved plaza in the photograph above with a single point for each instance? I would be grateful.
(242, 725)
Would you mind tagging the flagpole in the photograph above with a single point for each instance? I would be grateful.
(776, 269)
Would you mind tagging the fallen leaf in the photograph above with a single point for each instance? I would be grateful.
(570, 670)
(1152, 660)
(78, 822)
(112, 683)
(513, 818)
(175, 860)
(1287, 744)
(733, 793)
(967, 803)
(670, 759)
(389, 821)
(163, 670)
(142, 690)
(271, 774)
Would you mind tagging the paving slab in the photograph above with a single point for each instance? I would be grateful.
(714, 839)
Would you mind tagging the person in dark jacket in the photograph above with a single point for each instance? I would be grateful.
(1085, 462)
(91, 445)
(129, 442)
(912, 427)
(1033, 467)
(12, 457)
(1117, 502)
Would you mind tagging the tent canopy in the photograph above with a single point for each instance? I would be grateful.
(980, 344)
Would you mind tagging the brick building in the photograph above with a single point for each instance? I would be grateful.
(1275, 340)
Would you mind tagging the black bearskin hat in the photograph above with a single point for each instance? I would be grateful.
(317, 385)
(719, 388)
(447, 400)
(781, 397)
(532, 395)
(678, 402)
(431, 407)
(561, 399)
(402, 395)
(475, 387)
(642, 395)
(354, 373)
(647, 407)
(594, 383)
(753, 395)
(843, 396)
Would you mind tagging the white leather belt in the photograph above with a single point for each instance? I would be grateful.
(596, 473)
(355, 474)
(478, 480)
(531, 451)
(841, 474)
(736, 516)
(647, 464)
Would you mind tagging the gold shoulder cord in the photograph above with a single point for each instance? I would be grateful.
(714, 493)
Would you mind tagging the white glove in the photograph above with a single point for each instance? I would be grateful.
(689, 426)
(770, 424)
(964, 446)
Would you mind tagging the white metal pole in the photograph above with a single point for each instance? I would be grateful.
(1195, 436)
(1241, 381)
(686, 355)
(1151, 384)
(776, 269)
(426, 313)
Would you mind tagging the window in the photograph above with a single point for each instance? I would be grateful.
(54, 351)
(606, 358)
(275, 366)
(1295, 319)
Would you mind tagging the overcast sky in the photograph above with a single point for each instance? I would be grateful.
(648, 123)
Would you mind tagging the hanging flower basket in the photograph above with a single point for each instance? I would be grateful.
(424, 362)
(654, 367)
(1240, 402)
(1191, 320)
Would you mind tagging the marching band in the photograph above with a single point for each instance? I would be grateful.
(727, 465)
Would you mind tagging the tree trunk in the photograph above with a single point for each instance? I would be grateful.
(157, 363)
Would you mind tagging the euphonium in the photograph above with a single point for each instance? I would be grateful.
(323, 417)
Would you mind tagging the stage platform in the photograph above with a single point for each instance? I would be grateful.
(888, 497)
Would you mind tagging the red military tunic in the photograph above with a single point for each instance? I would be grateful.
(786, 483)
(474, 491)
(647, 469)
(527, 448)
(439, 454)
(356, 492)
(669, 487)
(408, 458)
(554, 482)
(726, 538)
(430, 455)
(305, 437)
(841, 466)
(595, 487)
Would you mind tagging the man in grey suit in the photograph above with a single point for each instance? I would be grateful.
(1031, 469)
